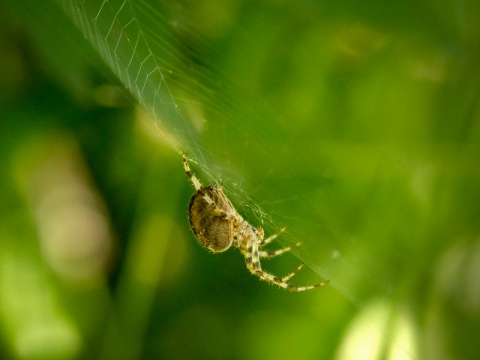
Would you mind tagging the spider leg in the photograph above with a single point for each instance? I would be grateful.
(270, 254)
(190, 174)
(283, 284)
(293, 273)
(223, 214)
(252, 258)
(272, 237)
(219, 212)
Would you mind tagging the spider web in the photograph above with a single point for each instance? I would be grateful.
(114, 29)
(139, 43)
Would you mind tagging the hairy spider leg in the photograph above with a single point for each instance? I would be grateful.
(198, 186)
(191, 175)
(293, 273)
(252, 259)
(271, 237)
(219, 212)
(270, 254)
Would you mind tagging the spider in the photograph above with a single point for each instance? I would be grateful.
(217, 225)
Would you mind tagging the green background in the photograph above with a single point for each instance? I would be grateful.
(356, 125)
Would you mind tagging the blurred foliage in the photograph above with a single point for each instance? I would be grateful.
(356, 124)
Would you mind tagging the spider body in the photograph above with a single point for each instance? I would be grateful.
(217, 226)
(209, 226)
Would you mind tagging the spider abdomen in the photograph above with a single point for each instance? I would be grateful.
(211, 228)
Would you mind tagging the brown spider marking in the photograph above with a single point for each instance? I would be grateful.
(217, 225)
